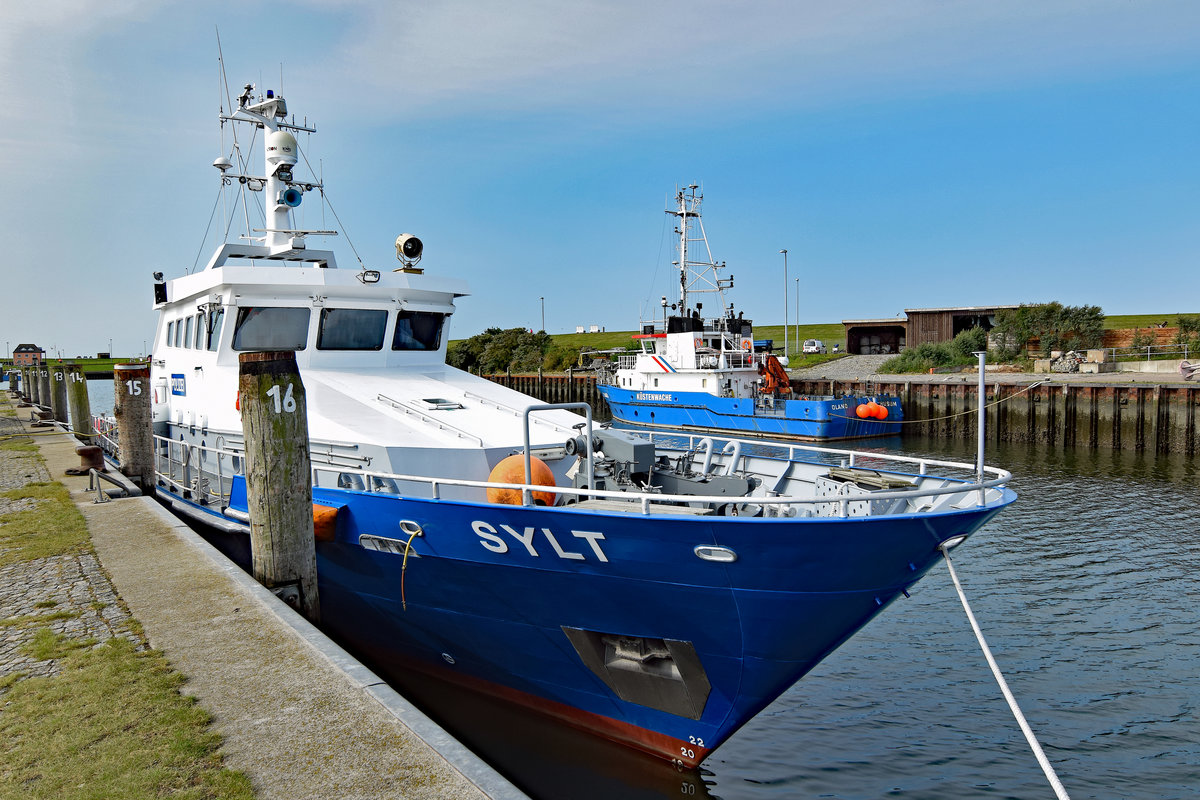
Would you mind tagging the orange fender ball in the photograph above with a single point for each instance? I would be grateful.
(512, 470)
(862, 411)
(882, 413)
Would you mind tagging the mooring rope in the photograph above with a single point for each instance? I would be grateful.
(404, 569)
(1055, 783)
(995, 402)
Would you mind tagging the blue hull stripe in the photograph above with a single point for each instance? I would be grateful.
(817, 419)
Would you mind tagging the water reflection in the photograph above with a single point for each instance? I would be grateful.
(544, 759)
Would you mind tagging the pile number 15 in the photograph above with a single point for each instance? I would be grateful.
(288, 403)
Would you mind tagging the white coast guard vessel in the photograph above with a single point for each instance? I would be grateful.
(698, 373)
(657, 596)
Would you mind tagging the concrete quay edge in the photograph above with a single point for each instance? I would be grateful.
(473, 768)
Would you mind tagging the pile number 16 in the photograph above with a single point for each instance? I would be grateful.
(288, 403)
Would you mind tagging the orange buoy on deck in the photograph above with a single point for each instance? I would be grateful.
(862, 411)
(512, 470)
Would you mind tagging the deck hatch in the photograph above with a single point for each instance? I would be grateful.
(440, 404)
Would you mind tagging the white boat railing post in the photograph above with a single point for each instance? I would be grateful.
(981, 435)
(591, 465)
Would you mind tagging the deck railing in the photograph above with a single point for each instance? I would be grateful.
(204, 474)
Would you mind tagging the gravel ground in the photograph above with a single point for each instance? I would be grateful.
(847, 368)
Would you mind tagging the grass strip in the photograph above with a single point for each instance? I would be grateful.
(112, 724)
(52, 527)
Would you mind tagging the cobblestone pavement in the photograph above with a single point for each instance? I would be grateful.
(71, 595)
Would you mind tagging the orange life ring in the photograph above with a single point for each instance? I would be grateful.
(746, 344)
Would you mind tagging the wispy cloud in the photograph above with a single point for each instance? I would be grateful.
(543, 54)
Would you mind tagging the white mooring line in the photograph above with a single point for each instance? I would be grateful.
(1055, 783)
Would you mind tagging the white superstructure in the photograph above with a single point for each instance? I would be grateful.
(370, 343)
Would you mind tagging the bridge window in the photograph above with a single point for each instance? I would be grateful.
(170, 332)
(351, 329)
(418, 330)
(187, 336)
(215, 320)
(271, 329)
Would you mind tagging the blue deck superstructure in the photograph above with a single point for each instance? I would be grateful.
(657, 592)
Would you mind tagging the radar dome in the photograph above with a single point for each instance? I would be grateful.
(281, 148)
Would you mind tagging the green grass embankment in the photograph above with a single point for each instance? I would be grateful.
(112, 721)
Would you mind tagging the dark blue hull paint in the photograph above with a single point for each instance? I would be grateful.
(799, 588)
(808, 419)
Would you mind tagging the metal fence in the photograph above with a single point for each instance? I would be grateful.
(1159, 352)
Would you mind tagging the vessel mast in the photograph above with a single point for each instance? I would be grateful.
(695, 276)
(281, 193)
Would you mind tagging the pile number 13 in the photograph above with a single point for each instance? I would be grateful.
(288, 403)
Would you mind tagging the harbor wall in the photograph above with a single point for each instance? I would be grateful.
(559, 387)
(1157, 418)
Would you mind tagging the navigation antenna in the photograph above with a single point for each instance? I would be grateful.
(695, 276)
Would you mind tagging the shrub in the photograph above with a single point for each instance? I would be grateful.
(496, 350)
(1188, 333)
(969, 342)
(1054, 325)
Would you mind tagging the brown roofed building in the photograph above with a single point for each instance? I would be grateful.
(26, 355)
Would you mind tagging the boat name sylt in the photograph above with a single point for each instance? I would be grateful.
(489, 538)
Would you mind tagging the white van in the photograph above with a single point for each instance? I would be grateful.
(813, 346)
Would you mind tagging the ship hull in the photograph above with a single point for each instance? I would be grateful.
(610, 622)
(816, 419)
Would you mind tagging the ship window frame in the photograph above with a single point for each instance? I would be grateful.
(244, 317)
(198, 342)
(215, 325)
(178, 332)
(170, 332)
(188, 332)
(418, 341)
(326, 313)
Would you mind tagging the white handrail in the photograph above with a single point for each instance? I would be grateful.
(644, 499)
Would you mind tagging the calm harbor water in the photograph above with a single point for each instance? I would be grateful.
(1086, 591)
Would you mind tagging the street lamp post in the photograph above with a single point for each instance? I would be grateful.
(798, 311)
(785, 305)
(543, 300)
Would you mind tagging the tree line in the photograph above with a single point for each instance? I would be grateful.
(516, 349)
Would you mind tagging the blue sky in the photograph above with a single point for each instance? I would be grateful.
(907, 153)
